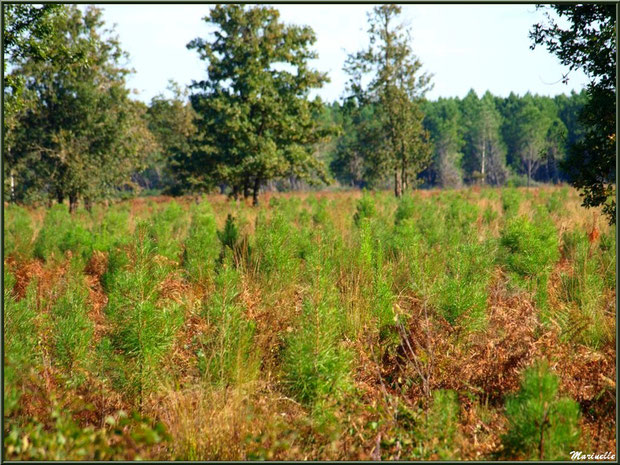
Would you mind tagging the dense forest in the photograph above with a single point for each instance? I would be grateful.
(74, 133)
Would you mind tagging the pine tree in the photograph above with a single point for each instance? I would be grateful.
(400, 142)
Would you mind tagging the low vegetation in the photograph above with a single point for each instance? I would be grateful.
(472, 324)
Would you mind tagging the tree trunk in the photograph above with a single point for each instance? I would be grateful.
(246, 188)
(88, 204)
(12, 187)
(484, 147)
(60, 198)
(73, 203)
(397, 183)
(255, 192)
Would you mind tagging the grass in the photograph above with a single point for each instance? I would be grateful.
(319, 326)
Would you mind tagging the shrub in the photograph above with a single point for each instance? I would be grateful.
(71, 328)
(143, 322)
(21, 347)
(441, 426)
(530, 249)
(225, 356)
(406, 209)
(585, 287)
(113, 229)
(202, 247)
(167, 227)
(18, 232)
(276, 245)
(365, 208)
(460, 292)
(541, 426)
(316, 365)
(56, 225)
(511, 199)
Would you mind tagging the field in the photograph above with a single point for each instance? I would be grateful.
(472, 324)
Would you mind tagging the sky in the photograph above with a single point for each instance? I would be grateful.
(480, 47)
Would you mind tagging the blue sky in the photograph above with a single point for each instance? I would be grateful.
(484, 47)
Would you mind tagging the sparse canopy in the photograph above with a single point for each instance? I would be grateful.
(255, 117)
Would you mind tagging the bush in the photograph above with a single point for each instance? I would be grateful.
(56, 225)
(225, 356)
(21, 351)
(460, 293)
(585, 288)
(365, 209)
(202, 247)
(18, 232)
(167, 227)
(72, 329)
(406, 209)
(541, 426)
(511, 199)
(143, 322)
(530, 250)
(441, 427)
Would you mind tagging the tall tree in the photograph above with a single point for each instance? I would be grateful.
(533, 127)
(444, 123)
(485, 151)
(401, 144)
(83, 135)
(27, 32)
(589, 43)
(255, 117)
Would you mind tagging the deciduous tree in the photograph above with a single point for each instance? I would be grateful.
(255, 116)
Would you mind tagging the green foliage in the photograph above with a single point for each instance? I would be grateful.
(61, 233)
(18, 232)
(225, 356)
(587, 41)
(20, 353)
(556, 202)
(584, 287)
(202, 247)
(511, 199)
(71, 328)
(316, 365)
(460, 292)
(258, 124)
(530, 249)
(400, 144)
(67, 440)
(441, 427)
(542, 426)
(277, 249)
(365, 208)
(113, 229)
(81, 134)
(406, 209)
(167, 227)
(143, 322)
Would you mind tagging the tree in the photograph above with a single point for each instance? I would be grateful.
(172, 123)
(401, 144)
(589, 43)
(443, 121)
(26, 31)
(532, 137)
(485, 151)
(82, 135)
(255, 117)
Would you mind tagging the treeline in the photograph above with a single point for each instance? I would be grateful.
(73, 133)
(492, 140)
